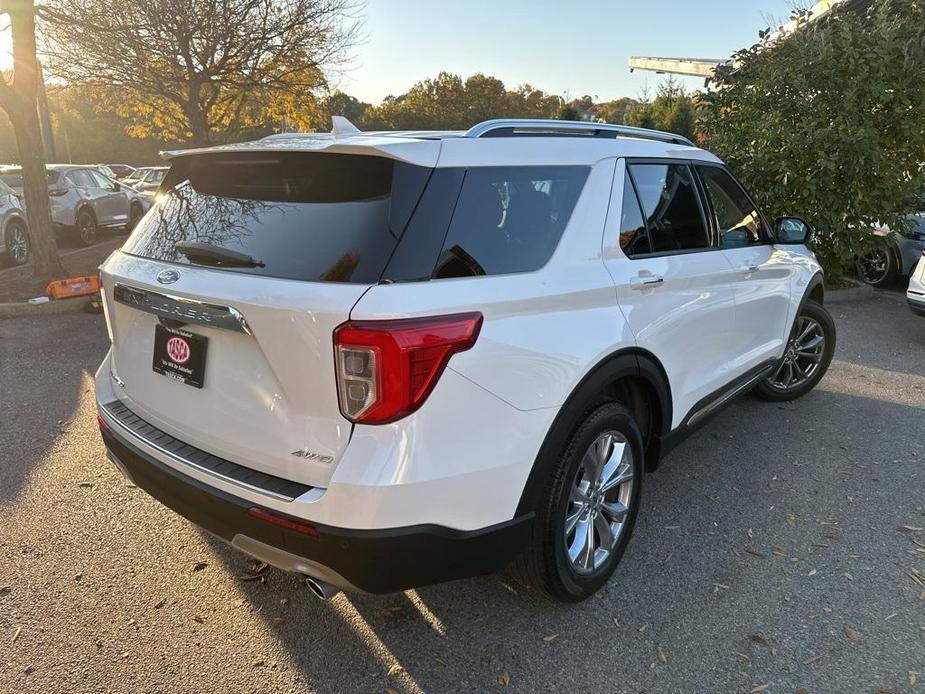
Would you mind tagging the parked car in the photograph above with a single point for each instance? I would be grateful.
(150, 180)
(138, 175)
(393, 359)
(915, 294)
(14, 241)
(121, 171)
(83, 200)
(894, 254)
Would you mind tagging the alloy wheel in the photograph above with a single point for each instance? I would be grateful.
(802, 357)
(18, 244)
(599, 502)
(86, 227)
(874, 266)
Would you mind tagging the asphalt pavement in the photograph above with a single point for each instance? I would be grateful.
(780, 549)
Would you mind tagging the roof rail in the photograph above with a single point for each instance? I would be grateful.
(527, 127)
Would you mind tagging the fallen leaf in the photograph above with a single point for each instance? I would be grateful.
(198, 619)
(260, 662)
(394, 669)
(812, 572)
(200, 565)
(279, 620)
(759, 688)
(550, 638)
(28, 670)
(742, 655)
(504, 679)
(759, 639)
(718, 587)
(908, 528)
(5, 590)
(160, 604)
(778, 551)
(16, 635)
(754, 553)
(811, 659)
(86, 485)
(660, 654)
(853, 635)
(913, 677)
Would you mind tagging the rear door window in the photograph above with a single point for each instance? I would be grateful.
(81, 179)
(509, 219)
(305, 216)
(671, 204)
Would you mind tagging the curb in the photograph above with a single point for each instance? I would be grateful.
(859, 292)
(52, 308)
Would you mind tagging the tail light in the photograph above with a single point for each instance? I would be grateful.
(387, 369)
(57, 192)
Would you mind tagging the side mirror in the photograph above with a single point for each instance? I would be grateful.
(792, 230)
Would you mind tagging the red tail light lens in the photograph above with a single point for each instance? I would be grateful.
(57, 192)
(386, 369)
(283, 521)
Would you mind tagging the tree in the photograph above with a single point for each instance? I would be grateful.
(829, 122)
(200, 70)
(449, 102)
(18, 100)
(672, 110)
(616, 111)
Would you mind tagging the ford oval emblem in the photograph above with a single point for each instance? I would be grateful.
(168, 276)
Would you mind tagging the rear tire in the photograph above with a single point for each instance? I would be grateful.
(588, 507)
(806, 358)
(85, 228)
(17, 243)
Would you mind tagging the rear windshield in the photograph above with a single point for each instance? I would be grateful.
(304, 216)
(13, 178)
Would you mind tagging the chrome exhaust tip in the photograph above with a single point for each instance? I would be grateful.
(320, 589)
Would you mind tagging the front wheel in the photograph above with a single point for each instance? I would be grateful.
(806, 358)
(877, 266)
(588, 508)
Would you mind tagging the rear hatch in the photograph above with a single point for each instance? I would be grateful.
(223, 302)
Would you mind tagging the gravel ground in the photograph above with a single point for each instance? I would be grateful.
(776, 551)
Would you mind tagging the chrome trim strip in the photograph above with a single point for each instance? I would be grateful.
(111, 418)
(723, 399)
(180, 309)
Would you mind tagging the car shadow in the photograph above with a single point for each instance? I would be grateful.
(731, 524)
(38, 398)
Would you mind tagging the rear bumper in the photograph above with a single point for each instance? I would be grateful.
(916, 305)
(374, 561)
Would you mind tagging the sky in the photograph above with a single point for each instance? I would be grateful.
(567, 48)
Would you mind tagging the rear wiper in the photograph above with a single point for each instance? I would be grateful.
(215, 255)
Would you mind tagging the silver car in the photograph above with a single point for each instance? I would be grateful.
(150, 180)
(83, 200)
(14, 242)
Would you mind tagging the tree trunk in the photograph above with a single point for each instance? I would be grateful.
(46, 262)
(18, 99)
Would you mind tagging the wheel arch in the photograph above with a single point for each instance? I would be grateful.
(632, 376)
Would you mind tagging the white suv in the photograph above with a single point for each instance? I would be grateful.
(384, 360)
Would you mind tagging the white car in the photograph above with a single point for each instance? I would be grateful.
(384, 360)
(915, 294)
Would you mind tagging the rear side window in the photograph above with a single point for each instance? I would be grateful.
(305, 216)
(509, 219)
(633, 237)
(671, 207)
(81, 178)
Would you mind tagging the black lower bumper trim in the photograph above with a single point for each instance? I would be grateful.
(917, 307)
(375, 561)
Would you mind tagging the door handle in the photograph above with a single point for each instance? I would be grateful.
(750, 268)
(646, 281)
